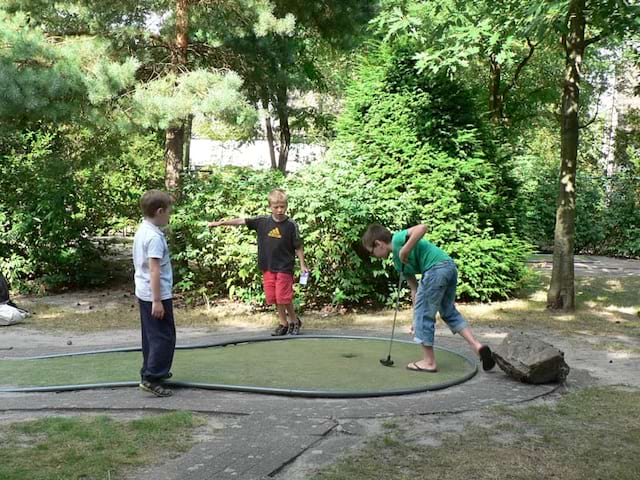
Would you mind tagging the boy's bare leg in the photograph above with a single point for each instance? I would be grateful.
(428, 361)
(483, 351)
(282, 313)
(293, 318)
(428, 358)
(471, 340)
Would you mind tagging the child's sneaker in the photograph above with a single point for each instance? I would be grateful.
(294, 328)
(280, 330)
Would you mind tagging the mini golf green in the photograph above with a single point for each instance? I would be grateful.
(316, 366)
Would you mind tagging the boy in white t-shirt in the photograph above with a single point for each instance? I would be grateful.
(154, 281)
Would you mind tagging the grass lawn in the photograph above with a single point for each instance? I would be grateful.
(68, 448)
(592, 433)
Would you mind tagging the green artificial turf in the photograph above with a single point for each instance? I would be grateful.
(309, 364)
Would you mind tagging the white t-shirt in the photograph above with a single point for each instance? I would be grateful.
(150, 242)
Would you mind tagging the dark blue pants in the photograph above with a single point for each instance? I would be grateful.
(158, 341)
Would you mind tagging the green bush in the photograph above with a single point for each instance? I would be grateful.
(409, 150)
(221, 260)
(607, 221)
(419, 140)
(622, 220)
(330, 205)
(61, 187)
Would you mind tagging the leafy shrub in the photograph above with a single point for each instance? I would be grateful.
(622, 220)
(221, 260)
(330, 205)
(409, 150)
(419, 139)
(61, 187)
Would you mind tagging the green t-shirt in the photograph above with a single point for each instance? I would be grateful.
(422, 257)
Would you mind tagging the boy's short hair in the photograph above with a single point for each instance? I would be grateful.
(152, 200)
(278, 194)
(373, 233)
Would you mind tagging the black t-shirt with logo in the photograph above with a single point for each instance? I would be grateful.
(277, 243)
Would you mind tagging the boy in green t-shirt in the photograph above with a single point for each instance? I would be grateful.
(436, 292)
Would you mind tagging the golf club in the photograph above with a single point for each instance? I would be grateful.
(388, 362)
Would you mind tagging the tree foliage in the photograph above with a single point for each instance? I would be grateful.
(60, 187)
(410, 149)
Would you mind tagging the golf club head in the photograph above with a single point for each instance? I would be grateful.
(387, 362)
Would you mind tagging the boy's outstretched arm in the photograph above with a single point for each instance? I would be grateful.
(414, 234)
(234, 222)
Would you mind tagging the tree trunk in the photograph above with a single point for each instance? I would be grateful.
(173, 143)
(174, 135)
(282, 108)
(188, 128)
(561, 293)
(495, 96)
(269, 129)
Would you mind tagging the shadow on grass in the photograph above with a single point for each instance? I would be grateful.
(604, 306)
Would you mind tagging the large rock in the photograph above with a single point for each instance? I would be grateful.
(530, 360)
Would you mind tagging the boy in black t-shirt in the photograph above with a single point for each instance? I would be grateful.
(278, 244)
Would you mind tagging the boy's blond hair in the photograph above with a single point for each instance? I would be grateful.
(373, 233)
(277, 194)
(152, 200)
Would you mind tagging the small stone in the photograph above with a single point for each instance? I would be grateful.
(69, 342)
(610, 361)
(90, 307)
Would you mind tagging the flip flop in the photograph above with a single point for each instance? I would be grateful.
(416, 368)
(487, 358)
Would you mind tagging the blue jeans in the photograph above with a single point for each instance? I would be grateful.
(436, 293)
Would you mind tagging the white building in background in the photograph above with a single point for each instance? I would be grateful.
(618, 99)
(204, 153)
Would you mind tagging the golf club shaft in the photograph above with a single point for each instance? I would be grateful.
(395, 315)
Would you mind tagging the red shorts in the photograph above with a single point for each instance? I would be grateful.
(278, 287)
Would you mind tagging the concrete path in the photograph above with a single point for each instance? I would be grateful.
(591, 265)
